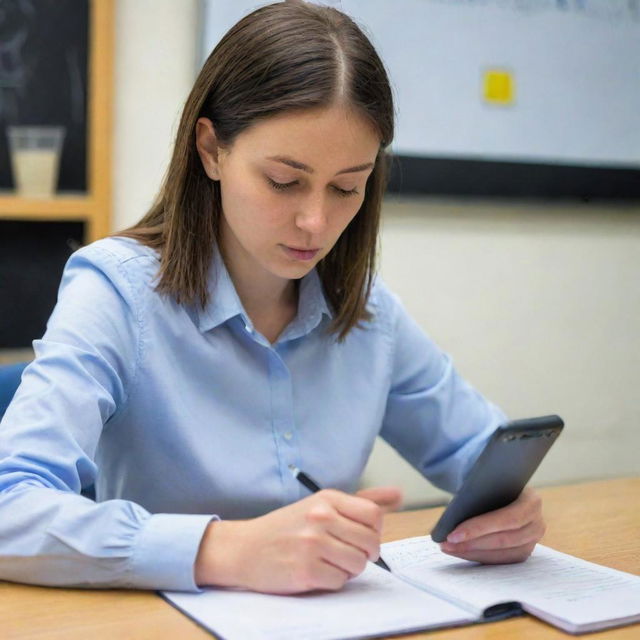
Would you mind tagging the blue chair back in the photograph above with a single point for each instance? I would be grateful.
(10, 375)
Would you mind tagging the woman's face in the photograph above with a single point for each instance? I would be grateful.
(290, 185)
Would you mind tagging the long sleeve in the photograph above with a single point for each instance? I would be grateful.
(85, 366)
(434, 418)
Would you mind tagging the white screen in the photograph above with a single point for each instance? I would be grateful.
(575, 66)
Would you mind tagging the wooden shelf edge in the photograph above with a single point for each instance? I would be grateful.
(66, 206)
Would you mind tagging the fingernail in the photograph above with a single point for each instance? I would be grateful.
(456, 536)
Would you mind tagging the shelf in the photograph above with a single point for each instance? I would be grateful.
(64, 206)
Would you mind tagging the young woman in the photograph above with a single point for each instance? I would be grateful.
(236, 331)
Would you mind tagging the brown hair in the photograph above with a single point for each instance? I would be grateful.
(284, 56)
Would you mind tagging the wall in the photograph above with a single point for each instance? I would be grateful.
(537, 303)
(154, 70)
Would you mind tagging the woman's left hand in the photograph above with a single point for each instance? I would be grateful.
(501, 536)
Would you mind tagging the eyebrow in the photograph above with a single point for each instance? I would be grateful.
(303, 167)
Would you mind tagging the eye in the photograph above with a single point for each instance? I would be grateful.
(280, 186)
(344, 193)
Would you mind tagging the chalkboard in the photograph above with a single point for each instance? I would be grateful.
(32, 257)
(43, 78)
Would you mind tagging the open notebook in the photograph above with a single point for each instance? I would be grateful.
(426, 590)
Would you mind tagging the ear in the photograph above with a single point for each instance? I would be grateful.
(208, 148)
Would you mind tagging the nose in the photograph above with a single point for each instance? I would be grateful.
(312, 216)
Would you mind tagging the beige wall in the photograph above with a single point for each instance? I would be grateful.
(537, 303)
(154, 69)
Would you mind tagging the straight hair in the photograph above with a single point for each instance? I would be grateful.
(282, 57)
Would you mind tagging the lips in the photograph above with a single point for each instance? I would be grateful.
(300, 254)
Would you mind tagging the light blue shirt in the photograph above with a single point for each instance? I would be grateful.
(180, 415)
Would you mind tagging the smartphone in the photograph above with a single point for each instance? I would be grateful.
(501, 472)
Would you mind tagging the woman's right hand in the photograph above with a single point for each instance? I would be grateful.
(317, 543)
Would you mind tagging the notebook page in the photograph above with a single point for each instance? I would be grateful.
(571, 592)
(584, 595)
(415, 558)
(374, 604)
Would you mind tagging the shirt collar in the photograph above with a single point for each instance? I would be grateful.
(312, 305)
(225, 304)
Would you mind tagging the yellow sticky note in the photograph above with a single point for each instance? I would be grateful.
(499, 86)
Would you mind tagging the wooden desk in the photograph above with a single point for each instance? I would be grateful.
(598, 521)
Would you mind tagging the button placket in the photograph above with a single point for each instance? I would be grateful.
(283, 425)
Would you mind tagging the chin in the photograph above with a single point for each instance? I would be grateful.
(293, 270)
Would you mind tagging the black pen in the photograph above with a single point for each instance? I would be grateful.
(314, 487)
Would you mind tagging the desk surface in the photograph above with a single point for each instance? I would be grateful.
(598, 521)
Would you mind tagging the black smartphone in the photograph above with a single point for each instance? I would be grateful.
(501, 472)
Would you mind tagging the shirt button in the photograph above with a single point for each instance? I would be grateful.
(288, 435)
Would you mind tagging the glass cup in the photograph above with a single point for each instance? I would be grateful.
(35, 159)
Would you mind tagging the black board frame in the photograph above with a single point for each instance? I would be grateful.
(413, 175)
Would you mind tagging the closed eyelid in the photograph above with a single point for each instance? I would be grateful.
(277, 184)
(346, 192)
(284, 186)
(282, 179)
(302, 180)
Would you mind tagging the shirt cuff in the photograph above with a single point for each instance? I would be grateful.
(165, 553)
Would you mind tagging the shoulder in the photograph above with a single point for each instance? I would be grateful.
(123, 263)
(406, 334)
(118, 250)
(116, 255)
(384, 305)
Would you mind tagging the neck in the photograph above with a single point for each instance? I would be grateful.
(262, 297)
(271, 302)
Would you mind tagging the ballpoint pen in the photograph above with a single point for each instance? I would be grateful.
(314, 487)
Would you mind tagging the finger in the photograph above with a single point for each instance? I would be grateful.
(526, 508)
(325, 518)
(497, 556)
(354, 508)
(356, 535)
(531, 532)
(344, 556)
(319, 543)
(387, 498)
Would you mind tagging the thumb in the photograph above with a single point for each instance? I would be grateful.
(387, 498)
